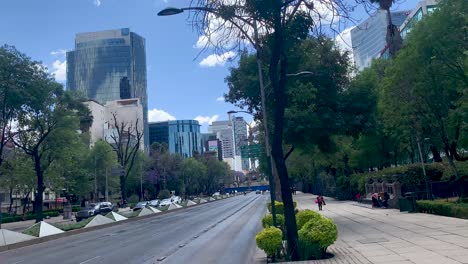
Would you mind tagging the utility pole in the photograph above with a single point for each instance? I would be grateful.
(418, 141)
(107, 188)
(95, 179)
(272, 175)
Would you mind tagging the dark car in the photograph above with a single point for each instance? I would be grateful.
(94, 209)
(258, 192)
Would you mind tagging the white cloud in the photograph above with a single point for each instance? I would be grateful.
(97, 2)
(217, 60)
(156, 115)
(206, 119)
(220, 99)
(58, 52)
(59, 70)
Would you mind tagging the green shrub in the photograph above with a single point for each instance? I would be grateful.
(76, 208)
(133, 199)
(279, 206)
(269, 240)
(164, 194)
(441, 207)
(12, 218)
(267, 221)
(304, 216)
(322, 231)
(310, 250)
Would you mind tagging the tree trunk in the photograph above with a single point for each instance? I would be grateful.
(435, 154)
(279, 85)
(40, 187)
(123, 188)
(11, 200)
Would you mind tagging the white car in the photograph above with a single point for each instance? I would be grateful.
(154, 203)
(165, 202)
(216, 194)
(176, 199)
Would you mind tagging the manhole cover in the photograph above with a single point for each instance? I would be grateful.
(372, 240)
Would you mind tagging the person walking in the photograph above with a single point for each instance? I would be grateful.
(320, 201)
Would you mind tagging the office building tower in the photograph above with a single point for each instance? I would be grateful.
(368, 38)
(182, 136)
(422, 9)
(109, 65)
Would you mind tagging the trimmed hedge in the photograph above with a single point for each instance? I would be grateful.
(322, 231)
(441, 207)
(279, 206)
(29, 216)
(267, 221)
(304, 216)
(270, 240)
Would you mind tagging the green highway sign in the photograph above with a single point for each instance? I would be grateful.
(252, 151)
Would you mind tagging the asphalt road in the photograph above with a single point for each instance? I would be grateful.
(218, 232)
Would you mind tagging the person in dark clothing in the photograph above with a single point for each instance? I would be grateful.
(385, 200)
(320, 201)
(375, 201)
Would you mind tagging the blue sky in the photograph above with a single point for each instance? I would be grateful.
(180, 85)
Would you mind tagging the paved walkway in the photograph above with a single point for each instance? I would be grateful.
(367, 235)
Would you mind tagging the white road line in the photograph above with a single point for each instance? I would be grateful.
(90, 259)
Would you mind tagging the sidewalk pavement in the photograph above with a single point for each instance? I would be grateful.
(22, 225)
(388, 236)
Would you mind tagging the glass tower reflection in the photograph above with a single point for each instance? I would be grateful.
(109, 65)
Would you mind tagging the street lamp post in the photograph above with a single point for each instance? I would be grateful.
(174, 11)
(418, 141)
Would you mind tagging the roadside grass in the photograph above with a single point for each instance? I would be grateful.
(32, 230)
(73, 226)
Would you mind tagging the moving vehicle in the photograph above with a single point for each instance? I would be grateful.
(94, 209)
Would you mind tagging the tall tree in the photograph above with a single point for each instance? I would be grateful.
(16, 73)
(126, 140)
(47, 122)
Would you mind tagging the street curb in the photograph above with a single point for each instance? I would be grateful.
(89, 229)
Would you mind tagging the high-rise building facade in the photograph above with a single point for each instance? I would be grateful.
(422, 9)
(126, 111)
(109, 65)
(368, 38)
(233, 135)
(182, 136)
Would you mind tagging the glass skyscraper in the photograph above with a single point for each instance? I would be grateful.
(109, 65)
(182, 136)
(368, 38)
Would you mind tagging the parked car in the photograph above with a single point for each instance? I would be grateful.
(94, 209)
(140, 205)
(258, 192)
(216, 194)
(154, 203)
(165, 202)
(176, 199)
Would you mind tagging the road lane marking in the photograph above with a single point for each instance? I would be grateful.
(86, 261)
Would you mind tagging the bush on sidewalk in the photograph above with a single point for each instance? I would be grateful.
(304, 216)
(279, 206)
(267, 221)
(321, 233)
(270, 240)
